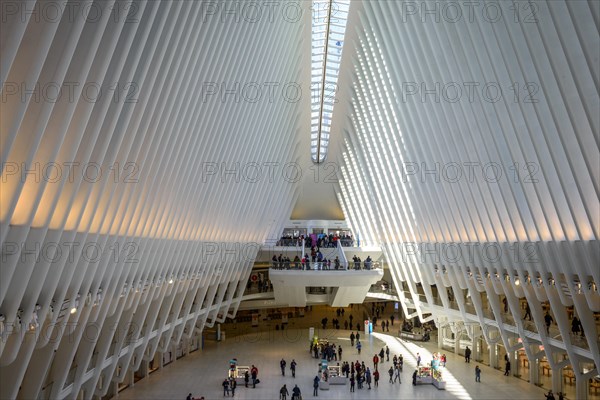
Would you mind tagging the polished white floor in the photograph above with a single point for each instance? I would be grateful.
(202, 372)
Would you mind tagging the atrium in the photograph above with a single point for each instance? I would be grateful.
(191, 188)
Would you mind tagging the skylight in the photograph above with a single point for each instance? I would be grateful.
(328, 29)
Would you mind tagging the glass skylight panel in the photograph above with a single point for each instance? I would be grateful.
(328, 29)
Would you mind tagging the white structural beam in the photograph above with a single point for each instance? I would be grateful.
(468, 151)
(144, 145)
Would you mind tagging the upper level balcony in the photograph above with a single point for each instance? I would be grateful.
(342, 286)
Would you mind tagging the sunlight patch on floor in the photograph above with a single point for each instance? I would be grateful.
(409, 350)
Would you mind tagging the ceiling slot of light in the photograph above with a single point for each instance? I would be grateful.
(328, 29)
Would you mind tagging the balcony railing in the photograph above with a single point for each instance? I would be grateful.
(324, 266)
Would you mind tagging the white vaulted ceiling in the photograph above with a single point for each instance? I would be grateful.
(148, 147)
(468, 127)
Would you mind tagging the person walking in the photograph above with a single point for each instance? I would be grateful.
(352, 337)
(375, 361)
(467, 355)
(357, 333)
(316, 386)
(225, 388)
(340, 352)
(397, 376)
(282, 364)
(477, 374)
(575, 324)
(507, 368)
(381, 354)
(414, 378)
(232, 385)
(387, 353)
(283, 392)
(418, 359)
(352, 380)
(548, 320)
(296, 393)
(376, 378)
(293, 368)
(358, 347)
(391, 374)
(246, 378)
(392, 319)
(527, 312)
(368, 377)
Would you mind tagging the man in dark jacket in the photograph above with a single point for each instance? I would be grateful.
(282, 364)
(296, 393)
(283, 392)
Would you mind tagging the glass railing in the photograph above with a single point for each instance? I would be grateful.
(289, 242)
(298, 242)
(326, 266)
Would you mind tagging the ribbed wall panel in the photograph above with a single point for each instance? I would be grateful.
(400, 148)
(109, 244)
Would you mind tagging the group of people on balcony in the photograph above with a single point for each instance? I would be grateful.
(357, 262)
(316, 239)
(316, 260)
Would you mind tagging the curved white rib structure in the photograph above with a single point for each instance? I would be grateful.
(145, 151)
(149, 148)
(470, 148)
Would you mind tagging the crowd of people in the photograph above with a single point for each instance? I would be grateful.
(317, 239)
(359, 375)
(315, 261)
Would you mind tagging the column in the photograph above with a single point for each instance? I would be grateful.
(457, 342)
(475, 350)
(534, 371)
(581, 385)
(557, 381)
(143, 371)
(441, 336)
(130, 377)
(514, 362)
(493, 355)
(113, 389)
